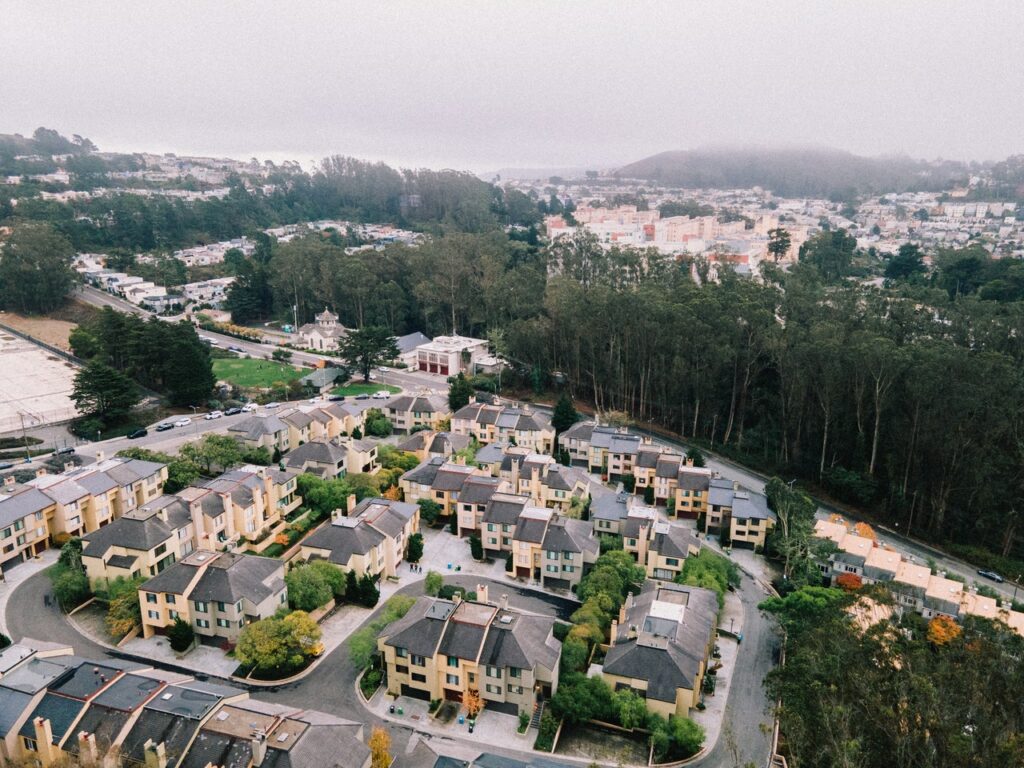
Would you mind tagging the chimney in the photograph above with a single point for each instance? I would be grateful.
(689, 461)
(259, 748)
(614, 631)
(156, 754)
(503, 603)
(68, 466)
(44, 740)
(41, 471)
(350, 504)
(9, 481)
(87, 752)
(100, 456)
(481, 593)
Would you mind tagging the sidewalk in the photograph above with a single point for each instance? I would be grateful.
(20, 573)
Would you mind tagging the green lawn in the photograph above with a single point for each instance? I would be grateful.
(252, 374)
(359, 388)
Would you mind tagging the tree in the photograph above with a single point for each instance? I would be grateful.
(830, 252)
(71, 555)
(71, 588)
(564, 415)
(181, 635)
(35, 269)
(102, 392)
(779, 242)
(332, 575)
(433, 583)
(476, 547)
(459, 392)
(472, 702)
(851, 582)
(221, 451)
(414, 548)
(696, 457)
(278, 645)
(377, 424)
(380, 748)
(907, 263)
(794, 511)
(123, 610)
(366, 348)
(430, 511)
(942, 630)
(307, 589)
(368, 592)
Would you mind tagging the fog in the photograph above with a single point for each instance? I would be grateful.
(487, 85)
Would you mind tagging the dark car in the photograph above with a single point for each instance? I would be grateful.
(164, 427)
(362, 397)
(232, 411)
(236, 350)
(6, 465)
(991, 575)
(336, 398)
(140, 432)
(64, 451)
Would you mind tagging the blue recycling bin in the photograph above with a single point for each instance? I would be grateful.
(462, 719)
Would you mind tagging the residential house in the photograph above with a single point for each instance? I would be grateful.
(608, 512)
(319, 457)
(477, 492)
(438, 480)
(427, 444)
(407, 412)
(693, 485)
(441, 648)
(218, 593)
(741, 514)
(371, 538)
(263, 431)
(348, 417)
(519, 426)
(362, 455)
(661, 644)
(540, 477)
(551, 549)
(322, 380)
(300, 426)
(668, 549)
(142, 542)
(23, 529)
(497, 523)
(323, 335)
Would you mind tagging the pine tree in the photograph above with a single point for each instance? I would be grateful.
(565, 414)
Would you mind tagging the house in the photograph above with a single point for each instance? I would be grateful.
(427, 444)
(553, 550)
(407, 412)
(438, 480)
(348, 417)
(407, 346)
(320, 457)
(450, 355)
(741, 515)
(142, 542)
(263, 431)
(691, 494)
(477, 492)
(362, 455)
(661, 644)
(23, 530)
(218, 593)
(323, 380)
(300, 426)
(324, 335)
(370, 538)
(669, 546)
(497, 523)
(547, 483)
(523, 426)
(441, 648)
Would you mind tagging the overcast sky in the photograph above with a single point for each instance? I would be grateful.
(483, 85)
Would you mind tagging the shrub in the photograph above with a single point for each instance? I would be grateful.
(629, 483)
(307, 588)
(279, 645)
(414, 548)
(430, 510)
(546, 733)
(649, 494)
(433, 583)
(524, 722)
(476, 547)
(4, 640)
(370, 682)
(70, 587)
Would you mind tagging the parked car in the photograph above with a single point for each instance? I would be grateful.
(213, 415)
(183, 422)
(232, 411)
(991, 575)
(64, 451)
(383, 368)
(235, 349)
(6, 465)
(381, 394)
(362, 397)
(249, 407)
(164, 427)
(272, 404)
(336, 398)
(140, 432)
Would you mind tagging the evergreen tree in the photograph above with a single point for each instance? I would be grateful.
(459, 392)
(102, 392)
(564, 415)
(368, 592)
(35, 269)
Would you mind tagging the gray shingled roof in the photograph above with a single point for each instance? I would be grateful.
(235, 577)
(317, 452)
(59, 710)
(425, 473)
(504, 508)
(136, 530)
(256, 427)
(15, 506)
(343, 539)
(568, 535)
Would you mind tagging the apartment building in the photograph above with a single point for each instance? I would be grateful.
(497, 523)
(319, 457)
(553, 550)
(218, 593)
(741, 514)
(438, 480)
(370, 537)
(427, 444)
(519, 426)
(450, 355)
(265, 430)
(142, 542)
(442, 648)
(693, 485)
(547, 483)
(407, 412)
(477, 493)
(661, 644)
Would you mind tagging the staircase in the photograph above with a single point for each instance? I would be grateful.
(538, 710)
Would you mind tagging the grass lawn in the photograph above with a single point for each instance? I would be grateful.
(252, 374)
(359, 388)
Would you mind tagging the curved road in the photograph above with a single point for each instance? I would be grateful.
(331, 687)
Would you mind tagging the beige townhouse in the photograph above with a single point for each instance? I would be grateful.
(408, 412)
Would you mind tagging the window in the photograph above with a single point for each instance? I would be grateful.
(201, 607)
(223, 623)
(153, 614)
(39, 515)
(419, 678)
(552, 555)
(515, 672)
(515, 688)
(30, 744)
(21, 539)
(551, 568)
(401, 669)
(169, 599)
(284, 598)
(493, 672)
(150, 597)
(491, 528)
(160, 550)
(203, 623)
(453, 661)
(506, 528)
(568, 568)
(567, 555)
(173, 614)
(451, 679)
(632, 542)
(220, 606)
(6, 533)
(492, 688)
(418, 661)
(19, 525)
(506, 541)
(671, 561)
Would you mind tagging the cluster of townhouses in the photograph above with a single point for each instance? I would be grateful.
(144, 293)
(913, 586)
(56, 707)
(665, 477)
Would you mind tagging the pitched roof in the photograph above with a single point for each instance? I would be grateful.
(425, 473)
(256, 427)
(140, 529)
(568, 535)
(504, 508)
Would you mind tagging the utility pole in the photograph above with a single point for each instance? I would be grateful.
(24, 436)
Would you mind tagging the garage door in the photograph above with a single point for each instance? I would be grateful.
(415, 693)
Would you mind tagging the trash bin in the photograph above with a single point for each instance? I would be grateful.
(471, 724)
(462, 719)
(400, 711)
(391, 709)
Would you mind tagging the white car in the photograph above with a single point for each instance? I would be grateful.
(383, 368)
(270, 405)
(183, 422)
(381, 394)
(249, 407)
(213, 415)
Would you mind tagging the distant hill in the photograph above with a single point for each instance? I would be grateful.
(536, 174)
(796, 172)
